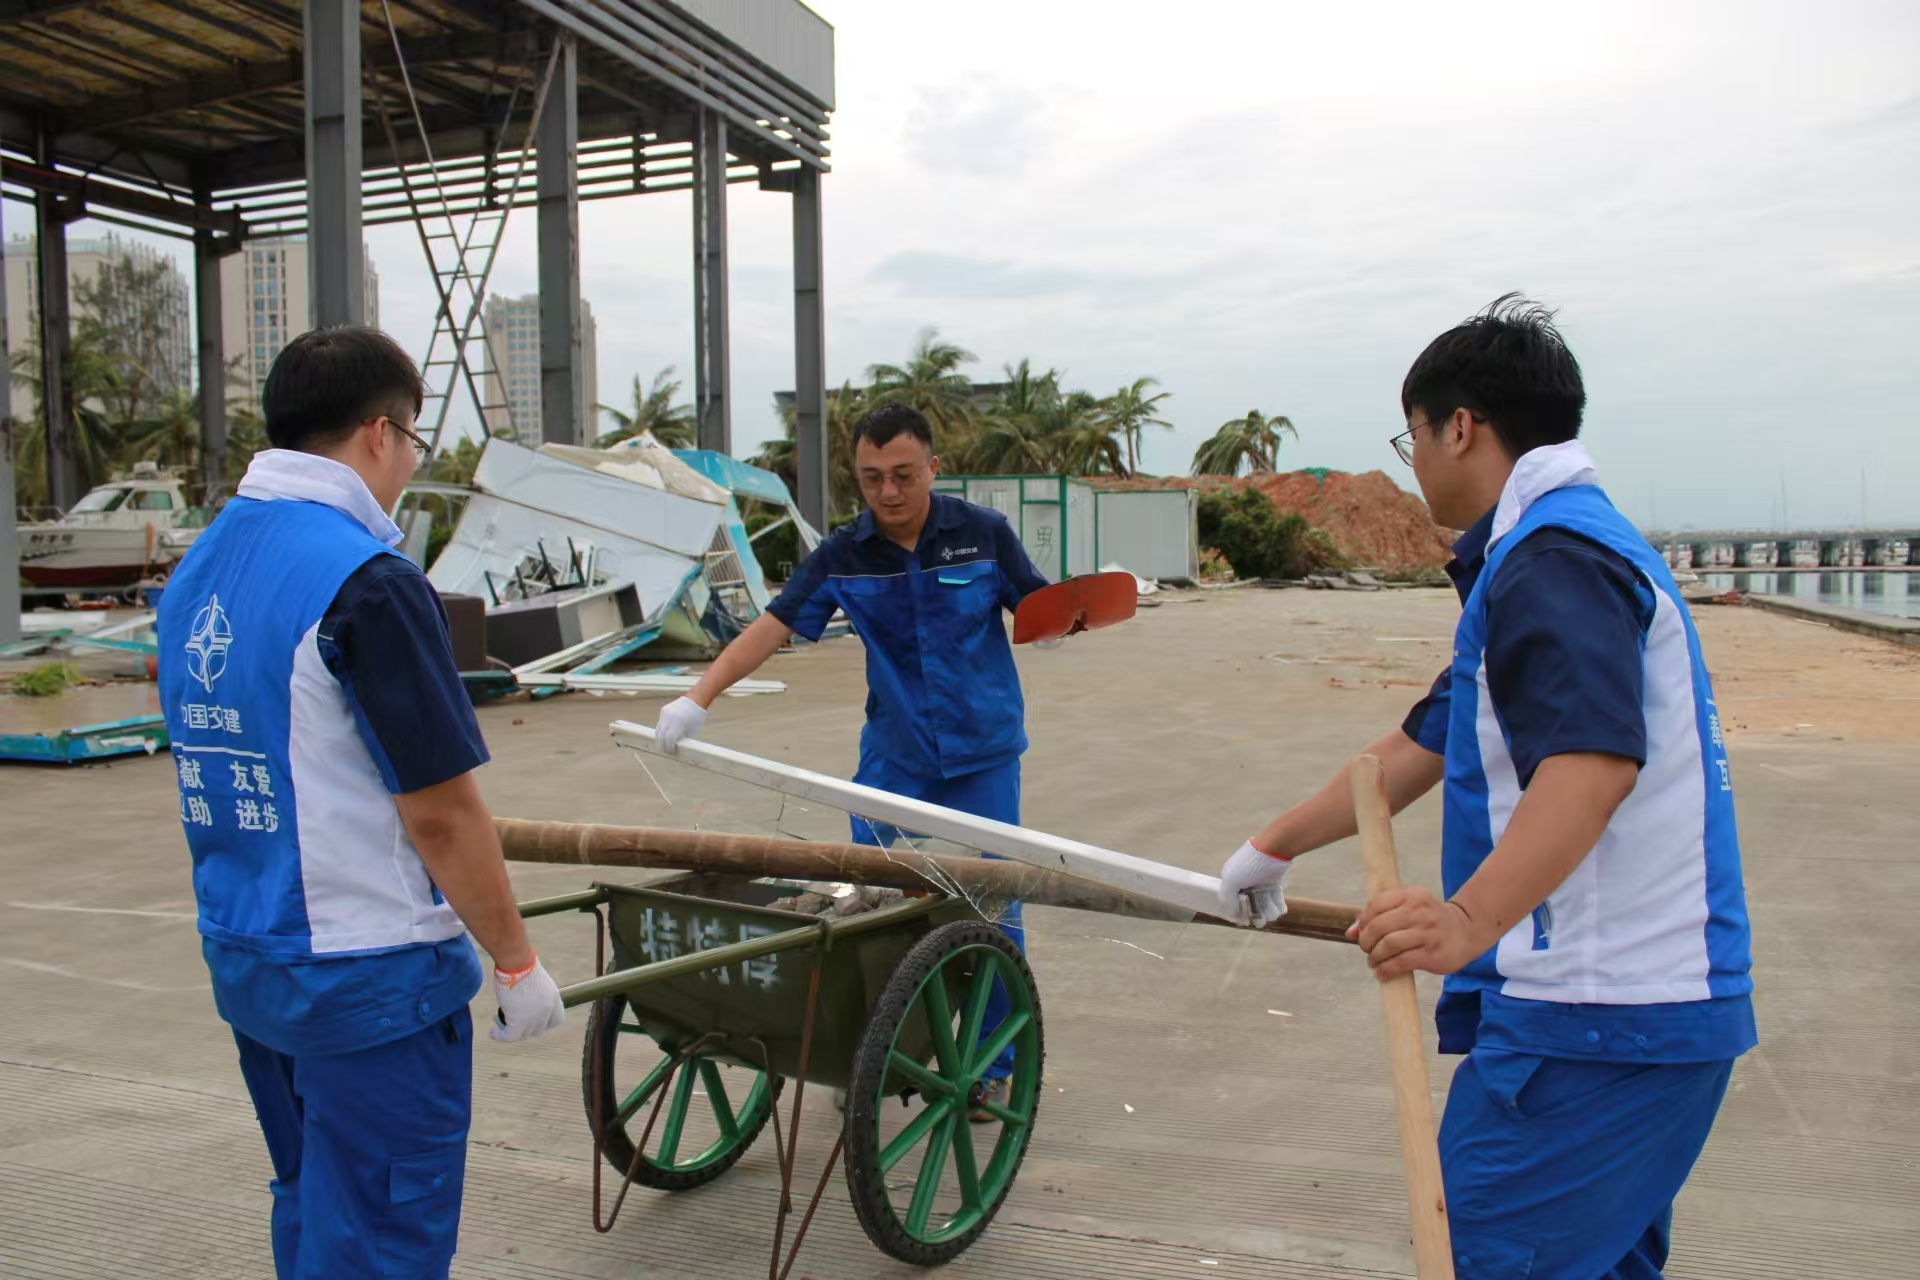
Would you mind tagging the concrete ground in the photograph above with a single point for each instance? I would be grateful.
(1217, 1104)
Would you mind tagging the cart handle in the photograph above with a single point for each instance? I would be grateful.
(645, 975)
(580, 901)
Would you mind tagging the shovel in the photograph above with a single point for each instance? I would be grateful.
(1078, 604)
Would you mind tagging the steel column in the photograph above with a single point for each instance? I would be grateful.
(810, 464)
(9, 536)
(211, 348)
(336, 255)
(563, 407)
(56, 336)
(711, 382)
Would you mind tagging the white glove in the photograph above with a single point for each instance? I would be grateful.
(1054, 643)
(1253, 887)
(679, 720)
(529, 1004)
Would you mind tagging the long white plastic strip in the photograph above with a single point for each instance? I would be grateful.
(636, 682)
(1189, 890)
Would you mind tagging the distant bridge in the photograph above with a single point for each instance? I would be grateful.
(1897, 545)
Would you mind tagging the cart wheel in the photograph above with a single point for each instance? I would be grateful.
(919, 1210)
(686, 1148)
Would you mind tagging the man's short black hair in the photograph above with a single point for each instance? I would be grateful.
(326, 382)
(890, 420)
(1509, 367)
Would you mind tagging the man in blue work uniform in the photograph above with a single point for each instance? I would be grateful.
(341, 852)
(923, 577)
(1594, 933)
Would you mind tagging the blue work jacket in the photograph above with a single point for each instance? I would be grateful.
(943, 698)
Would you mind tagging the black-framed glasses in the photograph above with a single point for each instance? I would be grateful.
(1403, 443)
(419, 442)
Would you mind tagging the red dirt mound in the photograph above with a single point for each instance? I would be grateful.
(1372, 521)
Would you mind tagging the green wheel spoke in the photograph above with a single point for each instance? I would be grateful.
(964, 1166)
(1013, 1026)
(642, 1092)
(976, 1014)
(928, 1185)
(1000, 1113)
(717, 1099)
(676, 1117)
(933, 994)
(631, 1029)
(909, 1137)
(933, 1085)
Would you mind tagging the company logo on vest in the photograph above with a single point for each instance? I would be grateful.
(207, 643)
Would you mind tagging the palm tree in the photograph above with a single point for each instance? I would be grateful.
(653, 410)
(96, 441)
(1129, 411)
(931, 382)
(1011, 435)
(1253, 439)
(845, 408)
(1083, 438)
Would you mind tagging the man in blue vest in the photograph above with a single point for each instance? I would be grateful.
(1594, 930)
(341, 851)
(924, 578)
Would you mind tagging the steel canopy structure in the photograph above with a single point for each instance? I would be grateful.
(225, 120)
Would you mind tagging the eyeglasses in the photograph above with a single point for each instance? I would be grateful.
(419, 442)
(1403, 443)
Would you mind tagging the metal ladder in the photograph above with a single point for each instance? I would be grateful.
(460, 261)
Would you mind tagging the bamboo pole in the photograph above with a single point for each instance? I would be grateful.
(1413, 1101)
(592, 844)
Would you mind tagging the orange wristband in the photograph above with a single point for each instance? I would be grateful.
(517, 977)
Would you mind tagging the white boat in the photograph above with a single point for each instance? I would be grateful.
(119, 533)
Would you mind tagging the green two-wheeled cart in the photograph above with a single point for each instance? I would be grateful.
(712, 1000)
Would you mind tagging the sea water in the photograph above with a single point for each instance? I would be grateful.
(1875, 591)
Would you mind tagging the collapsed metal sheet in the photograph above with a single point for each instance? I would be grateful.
(527, 499)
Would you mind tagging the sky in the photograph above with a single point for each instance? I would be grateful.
(1275, 207)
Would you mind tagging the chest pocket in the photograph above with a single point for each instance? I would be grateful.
(962, 597)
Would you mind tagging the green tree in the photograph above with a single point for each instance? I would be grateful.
(845, 408)
(1244, 526)
(127, 403)
(93, 437)
(653, 410)
(1011, 435)
(1253, 440)
(931, 382)
(1130, 411)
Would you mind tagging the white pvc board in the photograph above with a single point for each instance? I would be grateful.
(1189, 890)
(1153, 532)
(600, 498)
(494, 534)
(1082, 553)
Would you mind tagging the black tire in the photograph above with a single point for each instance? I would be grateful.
(602, 1094)
(866, 1183)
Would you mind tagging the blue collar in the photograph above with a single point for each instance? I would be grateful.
(943, 513)
(1470, 554)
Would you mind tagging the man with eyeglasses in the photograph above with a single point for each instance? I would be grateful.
(325, 751)
(924, 577)
(1594, 931)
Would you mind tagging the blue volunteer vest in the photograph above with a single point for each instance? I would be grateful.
(301, 866)
(1656, 914)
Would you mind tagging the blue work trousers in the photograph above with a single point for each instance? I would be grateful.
(369, 1152)
(989, 793)
(1558, 1169)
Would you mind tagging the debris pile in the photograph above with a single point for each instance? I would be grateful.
(1371, 520)
(838, 900)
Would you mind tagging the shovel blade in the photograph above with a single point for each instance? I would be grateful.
(1078, 604)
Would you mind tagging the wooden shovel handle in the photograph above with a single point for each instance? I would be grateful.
(1419, 1144)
